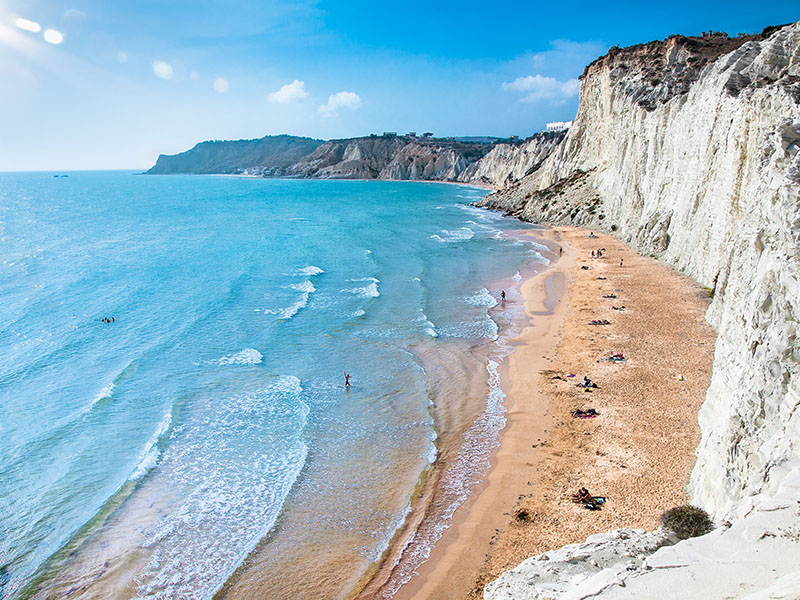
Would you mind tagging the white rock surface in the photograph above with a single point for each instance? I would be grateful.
(704, 172)
(707, 180)
(755, 558)
(506, 164)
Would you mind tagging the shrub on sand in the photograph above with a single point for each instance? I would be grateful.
(687, 521)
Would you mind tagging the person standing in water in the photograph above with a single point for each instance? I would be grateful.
(502, 296)
(346, 380)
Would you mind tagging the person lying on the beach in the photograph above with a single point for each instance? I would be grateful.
(620, 308)
(585, 268)
(585, 414)
(594, 503)
(610, 296)
(587, 383)
(600, 322)
(602, 278)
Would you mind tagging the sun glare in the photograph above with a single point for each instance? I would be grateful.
(53, 37)
(28, 25)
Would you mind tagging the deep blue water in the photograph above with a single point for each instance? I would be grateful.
(237, 304)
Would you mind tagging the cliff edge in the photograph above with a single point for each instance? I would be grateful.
(689, 149)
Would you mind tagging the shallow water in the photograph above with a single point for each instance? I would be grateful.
(205, 435)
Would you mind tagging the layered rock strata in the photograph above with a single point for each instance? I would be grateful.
(707, 180)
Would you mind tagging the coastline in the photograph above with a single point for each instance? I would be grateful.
(633, 453)
(467, 542)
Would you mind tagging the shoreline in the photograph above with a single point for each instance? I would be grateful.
(468, 539)
(522, 506)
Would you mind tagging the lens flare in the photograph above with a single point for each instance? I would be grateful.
(221, 85)
(27, 25)
(51, 36)
(163, 69)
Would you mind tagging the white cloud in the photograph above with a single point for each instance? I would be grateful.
(288, 93)
(349, 100)
(538, 88)
(221, 85)
(163, 69)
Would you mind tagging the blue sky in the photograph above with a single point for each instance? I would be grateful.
(132, 79)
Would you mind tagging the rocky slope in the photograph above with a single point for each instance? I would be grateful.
(689, 149)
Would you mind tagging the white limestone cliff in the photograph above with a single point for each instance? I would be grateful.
(690, 149)
(506, 164)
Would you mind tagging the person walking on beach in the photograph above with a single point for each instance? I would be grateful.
(620, 262)
(560, 251)
(502, 296)
(346, 380)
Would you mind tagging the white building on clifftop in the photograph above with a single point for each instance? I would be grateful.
(558, 126)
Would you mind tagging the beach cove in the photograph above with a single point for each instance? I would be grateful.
(637, 453)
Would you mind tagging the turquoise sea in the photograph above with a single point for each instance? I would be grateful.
(203, 442)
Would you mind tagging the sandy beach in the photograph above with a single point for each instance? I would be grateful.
(638, 452)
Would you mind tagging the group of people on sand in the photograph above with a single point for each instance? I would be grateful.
(599, 254)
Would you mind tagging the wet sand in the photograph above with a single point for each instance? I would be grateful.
(638, 452)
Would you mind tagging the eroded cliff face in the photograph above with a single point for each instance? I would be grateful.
(506, 164)
(690, 150)
(394, 157)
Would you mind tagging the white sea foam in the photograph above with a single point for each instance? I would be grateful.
(150, 454)
(481, 214)
(310, 271)
(106, 392)
(517, 276)
(482, 298)
(359, 313)
(456, 235)
(539, 257)
(367, 291)
(429, 327)
(248, 356)
(458, 478)
(307, 288)
(223, 509)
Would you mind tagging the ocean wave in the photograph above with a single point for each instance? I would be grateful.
(248, 356)
(103, 394)
(359, 313)
(456, 235)
(150, 454)
(517, 276)
(286, 313)
(310, 271)
(481, 214)
(539, 257)
(429, 327)
(368, 291)
(482, 298)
